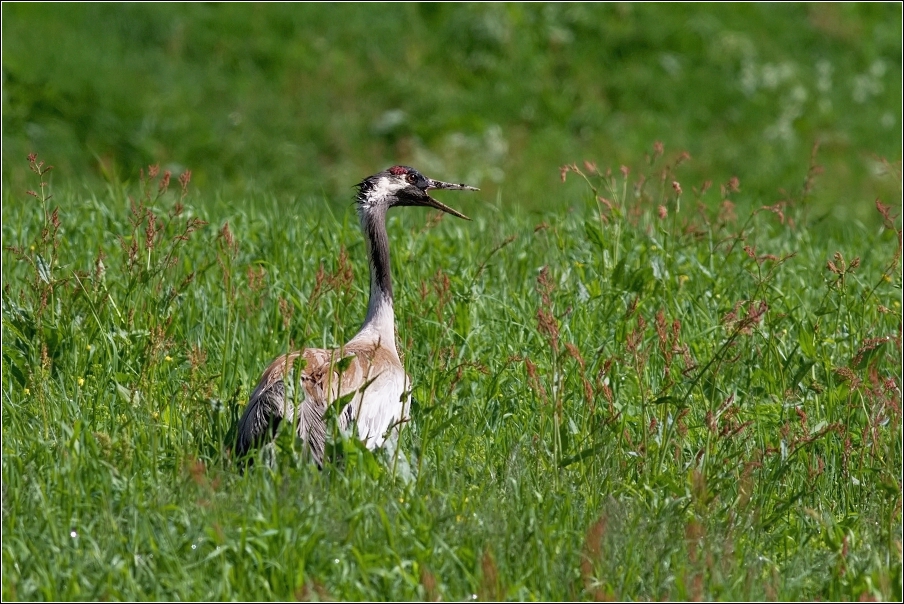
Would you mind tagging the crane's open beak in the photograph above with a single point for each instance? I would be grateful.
(438, 184)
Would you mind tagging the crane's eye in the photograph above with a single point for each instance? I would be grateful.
(411, 178)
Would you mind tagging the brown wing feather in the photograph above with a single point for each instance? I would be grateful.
(290, 390)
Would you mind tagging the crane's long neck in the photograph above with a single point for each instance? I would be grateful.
(380, 321)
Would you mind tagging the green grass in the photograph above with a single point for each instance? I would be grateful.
(671, 377)
(305, 99)
(608, 403)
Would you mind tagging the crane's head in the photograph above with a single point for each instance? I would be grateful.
(404, 186)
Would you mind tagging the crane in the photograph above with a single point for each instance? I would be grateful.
(365, 374)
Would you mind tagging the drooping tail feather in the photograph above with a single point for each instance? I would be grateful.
(262, 416)
(268, 407)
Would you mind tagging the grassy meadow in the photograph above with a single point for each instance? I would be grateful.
(662, 361)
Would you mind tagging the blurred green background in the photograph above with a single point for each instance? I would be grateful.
(301, 100)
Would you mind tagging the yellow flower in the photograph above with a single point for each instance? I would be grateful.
(168, 358)
(81, 381)
(27, 391)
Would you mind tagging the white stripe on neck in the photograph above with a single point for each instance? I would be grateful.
(379, 326)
